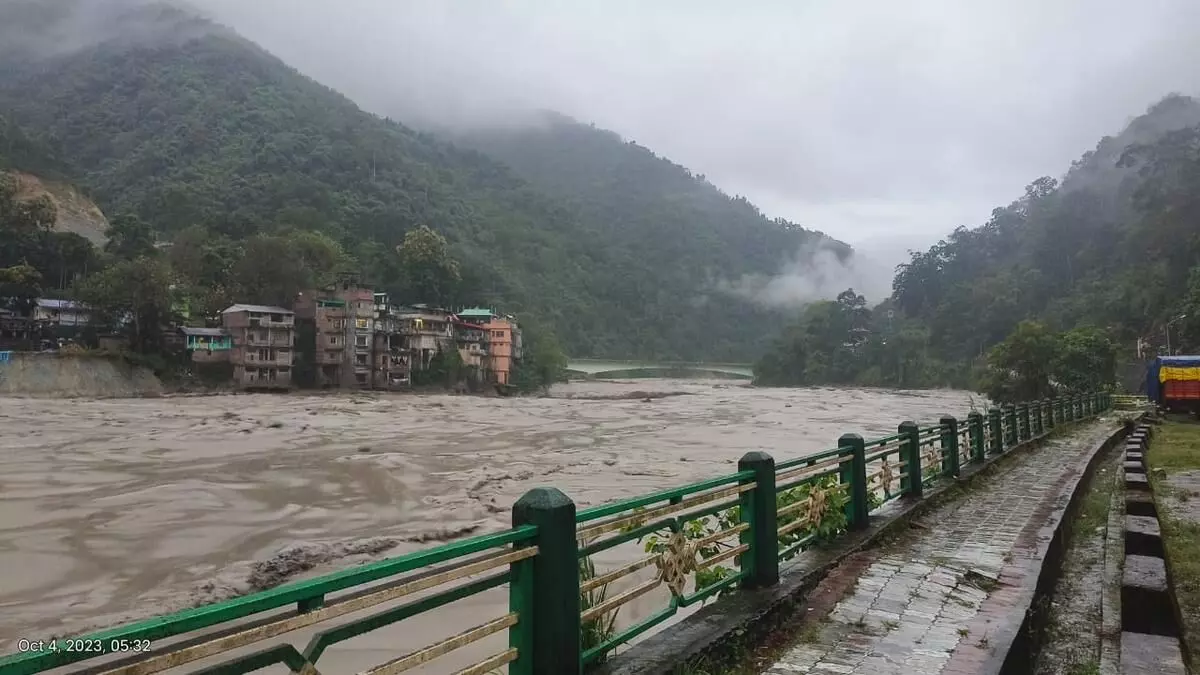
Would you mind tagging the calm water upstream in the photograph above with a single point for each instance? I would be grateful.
(112, 510)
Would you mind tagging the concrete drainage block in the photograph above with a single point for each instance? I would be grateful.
(1149, 625)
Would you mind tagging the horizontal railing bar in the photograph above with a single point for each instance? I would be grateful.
(798, 545)
(597, 512)
(205, 616)
(243, 635)
(711, 589)
(666, 509)
(816, 456)
(722, 557)
(609, 577)
(446, 646)
(718, 536)
(629, 633)
(636, 533)
(321, 641)
(811, 470)
(490, 664)
(807, 480)
(617, 600)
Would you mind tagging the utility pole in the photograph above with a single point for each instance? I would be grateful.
(1177, 319)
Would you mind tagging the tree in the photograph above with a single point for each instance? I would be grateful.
(1086, 360)
(129, 237)
(1020, 367)
(273, 269)
(20, 285)
(543, 362)
(134, 296)
(430, 274)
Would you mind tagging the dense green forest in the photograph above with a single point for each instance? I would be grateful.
(656, 215)
(184, 131)
(1089, 264)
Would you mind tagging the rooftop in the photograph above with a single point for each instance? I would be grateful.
(477, 313)
(51, 303)
(260, 309)
(204, 332)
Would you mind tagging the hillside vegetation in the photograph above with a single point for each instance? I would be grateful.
(207, 140)
(1083, 265)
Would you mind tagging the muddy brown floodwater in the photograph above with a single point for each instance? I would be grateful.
(118, 509)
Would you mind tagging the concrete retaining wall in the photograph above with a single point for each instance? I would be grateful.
(60, 375)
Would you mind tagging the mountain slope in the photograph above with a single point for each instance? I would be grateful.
(1111, 246)
(654, 214)
(184, 123)
(1106, 257)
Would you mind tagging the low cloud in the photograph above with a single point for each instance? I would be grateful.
(813, 274)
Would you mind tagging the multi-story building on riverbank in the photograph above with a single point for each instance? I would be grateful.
(503, 338)
(355, 337)
(263, 339)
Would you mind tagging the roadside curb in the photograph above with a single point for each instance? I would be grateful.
(1014, 644)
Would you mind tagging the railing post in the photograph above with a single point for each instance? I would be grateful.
(975, 426)
(997, 428)
(951, 465)
(854, 474)
(1039, 426)
(553, 625)
(910, 434)
(1014, 432)
(1024, 431)
(758, 508)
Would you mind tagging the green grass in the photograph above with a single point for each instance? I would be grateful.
(1174, 449)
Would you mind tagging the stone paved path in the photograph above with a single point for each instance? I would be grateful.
(926, 605)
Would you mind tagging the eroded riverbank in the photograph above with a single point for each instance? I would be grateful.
(118, 509)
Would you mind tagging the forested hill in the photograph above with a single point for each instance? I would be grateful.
(653, 214)
(1110, 246)
(1063, 282)
(186, 125)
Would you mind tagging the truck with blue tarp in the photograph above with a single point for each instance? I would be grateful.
(1173, 383)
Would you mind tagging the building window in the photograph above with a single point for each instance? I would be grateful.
(361, 377)
(360, 340)
(264, 355)
(360, 323)
(360, 359)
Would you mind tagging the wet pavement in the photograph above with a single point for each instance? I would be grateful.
(933, 602)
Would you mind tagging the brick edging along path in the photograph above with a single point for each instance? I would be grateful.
(951, 597)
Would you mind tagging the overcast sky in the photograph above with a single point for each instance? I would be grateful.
(870, 120)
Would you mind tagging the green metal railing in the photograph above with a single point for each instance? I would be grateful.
(698, 541)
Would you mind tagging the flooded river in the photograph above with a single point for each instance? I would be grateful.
(112, 510)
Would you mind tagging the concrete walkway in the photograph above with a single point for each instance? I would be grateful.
(932, 603)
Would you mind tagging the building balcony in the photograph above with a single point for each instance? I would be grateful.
(277, 360)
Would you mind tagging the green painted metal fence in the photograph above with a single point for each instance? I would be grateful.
(696, 541)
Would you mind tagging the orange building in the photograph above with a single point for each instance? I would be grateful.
(503, 340)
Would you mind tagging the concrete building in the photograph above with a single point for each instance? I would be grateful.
(263, 345)
(392, 358)
(472, 342)
(60, 312)
(207, 345)
(503, 341)
(426, 331)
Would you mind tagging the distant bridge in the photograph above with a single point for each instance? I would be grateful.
(601, 367)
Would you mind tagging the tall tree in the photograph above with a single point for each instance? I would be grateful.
(133, 296)
(430, 274)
